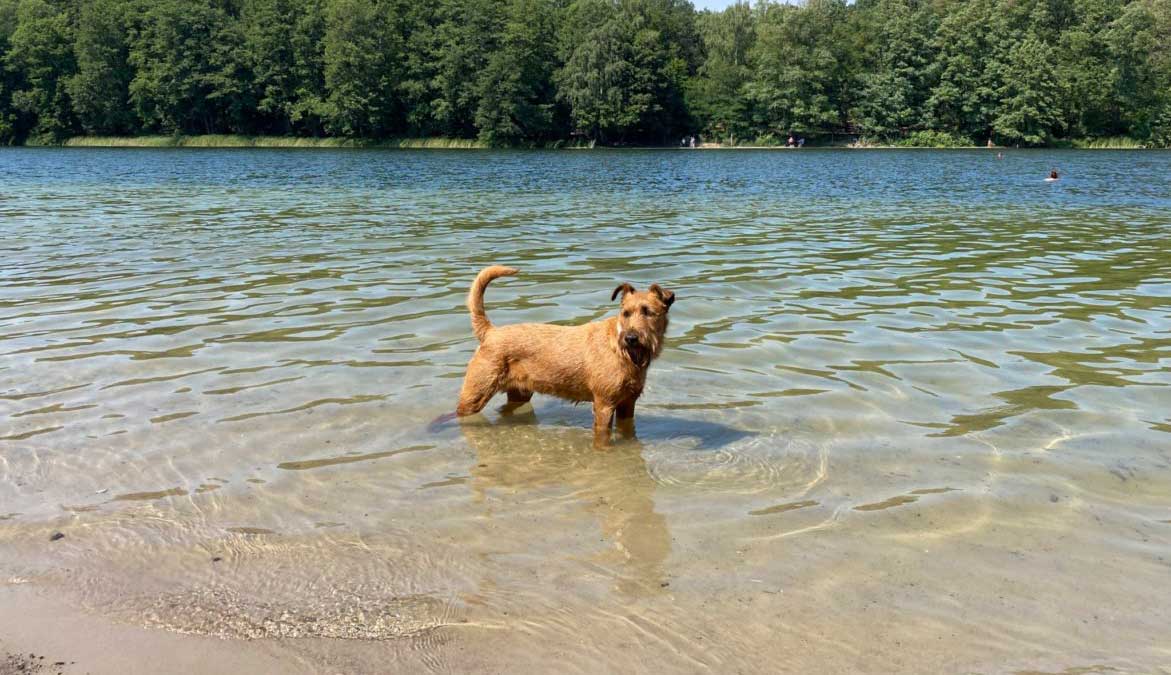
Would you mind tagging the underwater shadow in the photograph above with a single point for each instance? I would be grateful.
(579, 418)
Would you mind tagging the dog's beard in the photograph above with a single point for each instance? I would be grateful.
(638, 353)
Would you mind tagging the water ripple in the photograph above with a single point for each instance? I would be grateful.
(237, 355)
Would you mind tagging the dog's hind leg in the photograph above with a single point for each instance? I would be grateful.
(624, 418)
(480, 385)
(516, 398)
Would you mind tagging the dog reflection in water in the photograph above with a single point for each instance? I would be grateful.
(516, 455)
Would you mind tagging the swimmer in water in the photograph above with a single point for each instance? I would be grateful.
(1052, 175)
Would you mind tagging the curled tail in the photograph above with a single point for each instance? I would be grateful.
(480, 322)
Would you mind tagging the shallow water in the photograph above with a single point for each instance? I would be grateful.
(912, 414)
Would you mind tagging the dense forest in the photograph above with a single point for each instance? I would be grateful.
(944, 72)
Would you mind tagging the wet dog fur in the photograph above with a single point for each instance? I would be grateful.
(604, 362)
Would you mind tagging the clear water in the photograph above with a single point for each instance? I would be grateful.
(913, 413)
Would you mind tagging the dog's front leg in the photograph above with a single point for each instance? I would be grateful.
(603, 414)
(624, 416)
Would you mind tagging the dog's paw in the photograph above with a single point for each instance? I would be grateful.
(440, 423)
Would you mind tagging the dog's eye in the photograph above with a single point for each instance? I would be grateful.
(626, 313)
(645, 311)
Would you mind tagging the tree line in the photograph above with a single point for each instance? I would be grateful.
(1027, 72)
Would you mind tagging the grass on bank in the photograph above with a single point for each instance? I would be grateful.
(1112, 143)
(919, 139)
(233, 141)
(940, 139)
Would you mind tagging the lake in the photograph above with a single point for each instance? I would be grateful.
(912, 414)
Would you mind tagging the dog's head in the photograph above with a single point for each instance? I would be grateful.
(642, 321)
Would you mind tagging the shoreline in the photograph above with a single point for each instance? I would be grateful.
(221, 141)
(44, 631)
(239, 141)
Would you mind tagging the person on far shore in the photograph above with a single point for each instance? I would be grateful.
(791, 143)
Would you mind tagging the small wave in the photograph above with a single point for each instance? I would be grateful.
(765, 462)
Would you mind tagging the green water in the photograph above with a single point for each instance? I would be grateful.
(912, 413)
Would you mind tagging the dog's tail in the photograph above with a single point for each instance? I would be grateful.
(480, 322)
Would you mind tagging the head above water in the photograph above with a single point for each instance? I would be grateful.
(642, 321)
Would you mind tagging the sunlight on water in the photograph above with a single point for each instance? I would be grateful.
(908, 398)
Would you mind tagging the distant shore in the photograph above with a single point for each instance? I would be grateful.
(236, 141)
(240, 141)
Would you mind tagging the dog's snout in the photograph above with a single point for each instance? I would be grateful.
(631, 339)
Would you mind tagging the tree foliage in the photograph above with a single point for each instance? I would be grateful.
(363, 56)
(716, 95)
(623, 73)
(515, 91)
(40, 51)
(1026, 72)
(100, 89)
(799, 79)
(189, 72)
(896, 56)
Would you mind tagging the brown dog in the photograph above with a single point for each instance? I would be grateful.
(604, 362)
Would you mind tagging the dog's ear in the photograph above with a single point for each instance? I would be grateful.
(623, 288)
(668, 297)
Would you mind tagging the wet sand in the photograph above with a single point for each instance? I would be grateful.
(42, 633)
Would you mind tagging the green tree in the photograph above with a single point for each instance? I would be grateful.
(363, 50)
(716, 95)
(623, 76)
(1086, 71)
(1029, 109)
(466, 38)
(41, 49)
(894, 76)
(268, 53)
(416, 84)
(966, 70)
(283, 50)
(189, 70)
(100, 91)
(516, 91)
(1140, 44)
(799, 80)
(308, 81)
(9, 77)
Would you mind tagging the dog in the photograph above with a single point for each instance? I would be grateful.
(604, 362)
